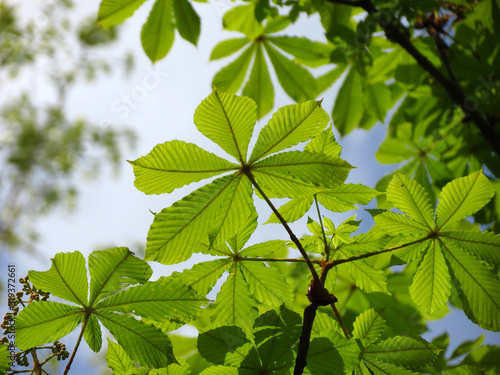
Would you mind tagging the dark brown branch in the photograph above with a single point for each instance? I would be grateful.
(305, 337)
(394, 33)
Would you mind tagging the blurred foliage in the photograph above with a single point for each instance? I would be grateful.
(42, 148)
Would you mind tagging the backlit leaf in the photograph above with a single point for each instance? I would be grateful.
(158, 32)
(113, 12)
(463, 197)
(187, 21)
(228, 47)
(230, 77)
(368, 326)
(228, 120)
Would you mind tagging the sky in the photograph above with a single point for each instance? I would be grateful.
(158, 102)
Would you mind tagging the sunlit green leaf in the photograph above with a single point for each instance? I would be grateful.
(93, 334)
(259, 86)
(230, 77)
(228, 47)
(228, 120)
(44, 321)
(67, 278)
(368, 326)
(158, 32)
(463, 197)
(113, 269)
(117, 359)
(296, 80)
(431, 286)
(348, 109)
(112, 12)
(289, 126)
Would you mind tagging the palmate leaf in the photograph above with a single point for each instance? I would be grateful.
(289, 126)
(67, 278)
(325, 143)
(45, 321)
(267, 285)
(411, 198)
(171, 165)
(144, 343)
(316, 169)
(235, 304)
(395, 224)
(479, 287)
(403, 351)
(228, 120)
(333, 354)
(179, 230)
(463, 197)
(42, 321)
(431, 286)
(303, 49)
(113, 269)
(117, 359)
(368, 327)
(228, 47)
(230, 77)
(158, 33)
(296, 80)
(113, 12)
(159, 300)
(259, 86)
(187, 21)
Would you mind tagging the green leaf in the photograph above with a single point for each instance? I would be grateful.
(259, 86)
(383, 368)
(478, 287)
(410, 197)
(235, 304)
(483, 245)
(43, 321)
(67, 278)
(113, 12)
(158, 33)
(292, 210)
(93, 334)
(486, 357)
(393, 150)
(324, 143)
(173, 164)
(325, 81)
(187, 21)
(144, 343)
(303, 48)
(395, 224)
(403, 351)
(230, 77)
(264, 249)
(463, 197)
(348, 109)
(228, 120)
(316, 169)
(368, 326)
(267, 285)
(220, 370)
(203, 276)
(431, 286)
(179, 230)
(289, 126)
(343, 197)
(113, 269)
(333, 354)
(467, 346)
(166, 298)
(296, 80)
(117, 359)
(378, 99)
(364, 276)
(228, 47)
(226, 345)
(242, 18)
(5, 358)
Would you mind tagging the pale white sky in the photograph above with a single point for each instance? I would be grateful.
(159, 102)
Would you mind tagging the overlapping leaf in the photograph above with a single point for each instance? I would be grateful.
(443, 255)
(43, 321)
(214, 213)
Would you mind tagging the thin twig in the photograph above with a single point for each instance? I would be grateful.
(84, 325)
(291, 260)
(327, 250)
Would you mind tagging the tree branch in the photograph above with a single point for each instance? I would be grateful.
(394, 33)
(294, 239)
